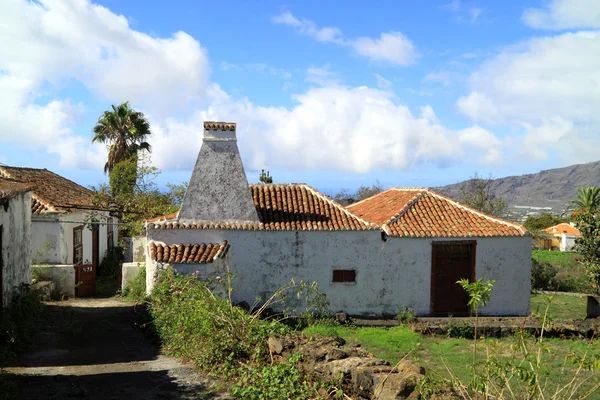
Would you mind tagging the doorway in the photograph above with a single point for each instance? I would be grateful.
(450, 262)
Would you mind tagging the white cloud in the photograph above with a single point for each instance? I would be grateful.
(392, 47)
(322, 76)
(257, 67)
(48, 44)
(483, 142)
(382, 83)
(442, 76)
(564, 14)
(463, 13)
(548, 89)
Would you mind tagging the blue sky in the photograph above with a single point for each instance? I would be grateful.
(335, 94)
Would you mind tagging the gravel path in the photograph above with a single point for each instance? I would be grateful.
(96, 349)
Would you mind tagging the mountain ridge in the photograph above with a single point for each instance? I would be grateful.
(547, 188)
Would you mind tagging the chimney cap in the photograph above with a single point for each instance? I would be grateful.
(219, 126)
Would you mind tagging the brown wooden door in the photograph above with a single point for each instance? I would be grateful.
(95, 246)
(451, 261)
(85, 279)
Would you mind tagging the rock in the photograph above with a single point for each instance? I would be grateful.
(336, 354)
(244, 306)
(344, 367)
(44, 289)
(276, 345)
(386, 382)
(341, 317)
(593, 306)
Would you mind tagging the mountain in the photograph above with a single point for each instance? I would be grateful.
(550, 188)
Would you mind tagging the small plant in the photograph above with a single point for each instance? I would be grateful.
(479, 295)
(456, 330)
(406, 316)
(135, 290)
(543, 276)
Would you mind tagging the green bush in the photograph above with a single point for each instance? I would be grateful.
(543, 276)
(111, 263)
(406, 316)
(220, 338)
(17, 321)
(135, 290)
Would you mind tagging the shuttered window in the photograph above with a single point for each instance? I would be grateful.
(344, 275)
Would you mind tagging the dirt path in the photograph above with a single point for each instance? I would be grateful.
(95, 349)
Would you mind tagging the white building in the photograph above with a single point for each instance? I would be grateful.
(401, 248)
(67, 229)
(15, 237)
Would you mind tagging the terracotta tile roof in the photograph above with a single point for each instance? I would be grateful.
(424, 213)
(11, 187)
(52, 192)
(563, 228)
(219, 126)
(285, 207)
(200, 253)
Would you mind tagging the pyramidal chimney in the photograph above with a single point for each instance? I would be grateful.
(218, 189)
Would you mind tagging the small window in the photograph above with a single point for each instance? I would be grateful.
(344, 275)
(78, 245)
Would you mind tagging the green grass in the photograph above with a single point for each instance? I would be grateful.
(439, 354)
(559, 259)
(562, 307)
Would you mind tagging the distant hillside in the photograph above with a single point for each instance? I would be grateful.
(549, 188)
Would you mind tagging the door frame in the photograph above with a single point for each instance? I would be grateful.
(434, 244)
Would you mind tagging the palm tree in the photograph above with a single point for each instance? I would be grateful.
(124, 130)
(587, 200)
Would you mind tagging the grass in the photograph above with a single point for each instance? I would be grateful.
(571, 273)
(562, 307)
(437, 353)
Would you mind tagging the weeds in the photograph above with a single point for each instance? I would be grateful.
(135, 290)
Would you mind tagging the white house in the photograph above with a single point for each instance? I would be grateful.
(402, 248)
(67, 229)
(563, 236)
(15, 237)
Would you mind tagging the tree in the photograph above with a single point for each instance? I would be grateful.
(346, 197)
(588, 244)
(542, 221)
(477, 193)
(587, 200)
(124, 130)
(265, 177)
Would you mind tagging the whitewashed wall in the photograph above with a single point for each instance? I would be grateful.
(390, 275)
(16, 244)
(52, 237)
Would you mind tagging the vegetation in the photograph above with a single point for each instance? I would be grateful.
(561, 307)
(536, 223)
(559, 271)
(588, 245)
(477, 193)
(346, 196)
(265, 177)
(220, 338)
(124, 130)
(135, 290)
(145, 200)
(587, 201)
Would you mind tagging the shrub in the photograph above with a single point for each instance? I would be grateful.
(135, 290)
(221, 338)
(406, 316)
(543, 276)
(111, 263)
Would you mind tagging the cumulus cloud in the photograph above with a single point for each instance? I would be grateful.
(547, 88)
(257, 67)
(392, 47)
(564, 14)
(49, 43)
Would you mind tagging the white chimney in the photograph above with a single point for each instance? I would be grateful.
(218, 190)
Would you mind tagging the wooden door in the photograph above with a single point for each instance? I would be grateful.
(451, 261)
(95, 246)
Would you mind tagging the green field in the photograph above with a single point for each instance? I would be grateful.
(571, 273)
(441, 354)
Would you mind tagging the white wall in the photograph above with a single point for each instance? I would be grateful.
(390, 275)
(567, 242)
(16, 244)
(52, 237)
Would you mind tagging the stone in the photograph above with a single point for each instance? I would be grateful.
(44, 289)
(276, 345)
(395, 386)
(386, 382)
(244, 306)
(344, 367)
(593, 306)
(341, 317)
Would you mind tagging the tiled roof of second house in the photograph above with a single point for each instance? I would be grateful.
(293, 206)
(52, 192)
(424, 213)
(200, 253)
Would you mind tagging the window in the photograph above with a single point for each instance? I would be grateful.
(110, 239)
(78, 245)
(344, 275)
